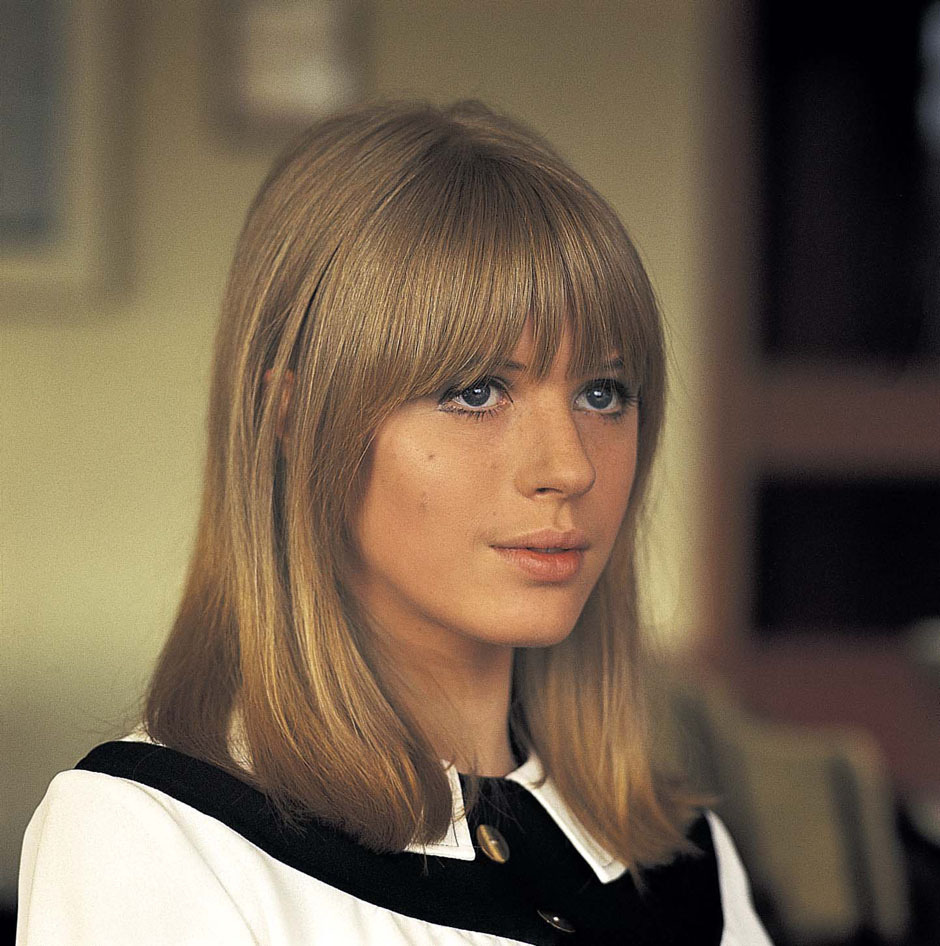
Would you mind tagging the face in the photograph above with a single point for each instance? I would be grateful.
(490, 512)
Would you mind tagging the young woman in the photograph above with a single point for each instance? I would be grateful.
(402, 701)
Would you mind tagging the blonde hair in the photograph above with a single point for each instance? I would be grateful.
(393, 250)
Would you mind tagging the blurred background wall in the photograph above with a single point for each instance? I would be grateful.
(795, 536)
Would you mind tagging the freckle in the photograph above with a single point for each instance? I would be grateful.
(431, 456)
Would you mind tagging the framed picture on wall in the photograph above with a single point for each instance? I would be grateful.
(277, 65)
(60, 166)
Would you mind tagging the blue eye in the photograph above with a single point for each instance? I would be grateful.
(480, 399)
(606, 396)
(600, 396)
(476, 395)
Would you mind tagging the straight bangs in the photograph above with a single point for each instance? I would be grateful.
(467, 252)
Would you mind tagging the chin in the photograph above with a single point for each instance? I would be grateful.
(545, 640)
(543, 634)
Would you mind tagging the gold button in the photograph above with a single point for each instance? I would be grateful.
(553, 919)
(492, 844)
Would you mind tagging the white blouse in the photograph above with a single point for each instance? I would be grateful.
(109, 858)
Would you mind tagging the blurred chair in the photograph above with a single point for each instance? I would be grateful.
(812, 813)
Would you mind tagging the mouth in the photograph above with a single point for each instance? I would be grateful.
(547, 541)
(544, 565)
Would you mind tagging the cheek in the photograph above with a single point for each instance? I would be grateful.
(616, 467)
(416, 498)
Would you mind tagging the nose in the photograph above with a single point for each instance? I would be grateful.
(553, 458)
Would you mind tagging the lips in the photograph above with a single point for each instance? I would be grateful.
(546, 555)
(546, 540)
(544, 566)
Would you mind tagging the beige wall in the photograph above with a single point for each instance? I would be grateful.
(103, 401)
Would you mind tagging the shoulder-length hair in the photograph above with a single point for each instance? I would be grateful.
(394, 250)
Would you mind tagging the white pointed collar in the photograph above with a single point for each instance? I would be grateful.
(458, 844)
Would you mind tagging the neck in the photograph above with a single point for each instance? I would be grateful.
(461, 700)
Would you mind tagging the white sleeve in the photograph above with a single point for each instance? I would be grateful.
(105, 862)
(742, 926)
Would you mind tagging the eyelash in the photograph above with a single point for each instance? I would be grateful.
(625, 395)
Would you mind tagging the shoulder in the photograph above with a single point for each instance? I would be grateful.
(133, 795)
(742, 927)
(109, 859)
(88, 811)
